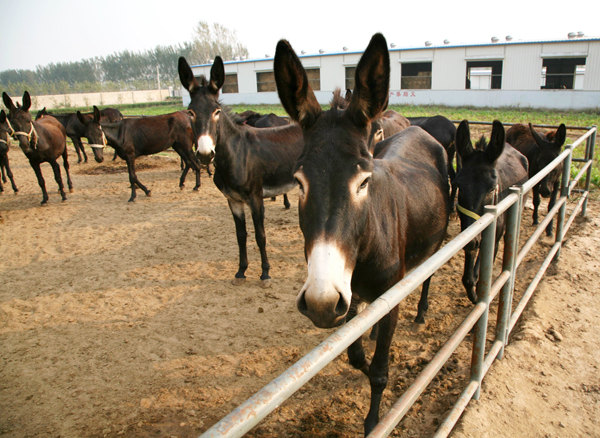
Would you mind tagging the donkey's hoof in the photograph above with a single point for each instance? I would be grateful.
(418, 327)
(149, 194)
(265, 284)
(196, 188)
(181, 187)
(71, 190)
(238, 281)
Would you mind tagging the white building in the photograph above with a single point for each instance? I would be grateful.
(557, 74)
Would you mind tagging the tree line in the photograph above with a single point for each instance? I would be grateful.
(126, 70)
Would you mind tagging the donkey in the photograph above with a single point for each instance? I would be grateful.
(75, 130)
(132, 138)
(42, 141)
(366, 221)
(250, 163)
(5, 132)
(540, 151)
(487, 172)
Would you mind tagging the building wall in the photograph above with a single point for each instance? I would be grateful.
(521, 75)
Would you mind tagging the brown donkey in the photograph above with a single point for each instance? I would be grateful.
(42, 141)
(366, 221)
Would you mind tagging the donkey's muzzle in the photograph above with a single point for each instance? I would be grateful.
(325, 312)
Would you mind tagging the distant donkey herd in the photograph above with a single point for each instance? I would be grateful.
(376, 189)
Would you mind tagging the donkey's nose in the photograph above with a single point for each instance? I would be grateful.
(324, 311)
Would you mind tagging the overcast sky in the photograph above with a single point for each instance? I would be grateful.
(38, 32)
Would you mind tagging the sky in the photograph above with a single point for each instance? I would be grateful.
(39, 32)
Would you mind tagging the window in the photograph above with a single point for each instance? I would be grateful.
(350, 74)
(563, 73)
(484, 75)
(231, 83)
(266, 81)
(314, 78)
(416, 76)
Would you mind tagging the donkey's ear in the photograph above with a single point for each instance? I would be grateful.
(372, 82)
(348, 95)
(217, 75)
(96, 114)
(464, 147)
(561, 136)
(293, 88)
(496, 144)
(26, 101)
(8, 102)
(541, 142)
(2, 116)
(81, 118)
(186, 76)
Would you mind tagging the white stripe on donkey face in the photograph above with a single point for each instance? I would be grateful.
(327, 291)
(206, 145)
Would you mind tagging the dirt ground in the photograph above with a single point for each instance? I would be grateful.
(119, 319)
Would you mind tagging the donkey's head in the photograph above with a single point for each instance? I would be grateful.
(477, 180)
(334, 174)
(20, 119)
(94, 133)
(205, 104)
(549, 147)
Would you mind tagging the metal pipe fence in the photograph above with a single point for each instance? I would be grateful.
(256, 408)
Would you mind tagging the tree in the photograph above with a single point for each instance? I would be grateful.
(212, 40)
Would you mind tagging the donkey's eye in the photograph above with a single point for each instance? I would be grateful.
(364, 184)
(216, 114)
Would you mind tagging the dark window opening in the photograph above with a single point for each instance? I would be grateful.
(266, 81)
(314, 78)
(559, 73)
(484, 75)
(350, 74)
(416, 76)
(231, 83)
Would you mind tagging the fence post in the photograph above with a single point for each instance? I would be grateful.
(486, 254)
(511, 249)
(564, 192)
(590, 149)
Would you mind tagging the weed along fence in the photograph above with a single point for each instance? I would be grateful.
(251, 412)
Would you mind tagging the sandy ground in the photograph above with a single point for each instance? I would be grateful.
(119, 319)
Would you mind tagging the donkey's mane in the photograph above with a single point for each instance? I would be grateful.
(338, 101)
(481, 144)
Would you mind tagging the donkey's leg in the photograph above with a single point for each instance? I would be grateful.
(76, 146)
(58, 179)
(536, 204)
(551, 204)
(356, 352)
(65, 156)
(258, 218)
(423, 305)
(471, 271)
(10, 176)
(237, 209)
(133, 179)
(286, 201)
(41, 182)
(378, 370)
(82, 149)
(3, 177)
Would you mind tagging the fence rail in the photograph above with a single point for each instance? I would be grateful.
(256, 408)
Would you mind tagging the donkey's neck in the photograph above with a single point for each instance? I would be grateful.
(114, 133)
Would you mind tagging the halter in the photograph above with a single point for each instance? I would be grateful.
(474, 215)
(100, 146)
(27, 134)
(10, 134)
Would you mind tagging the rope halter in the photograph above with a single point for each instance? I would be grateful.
(10, 133)
(99, 146)
(32, 135)
(474, 215)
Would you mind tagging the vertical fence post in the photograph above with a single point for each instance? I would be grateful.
(486, 254)
(511, 249)
(564, 192)
(590, 150)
